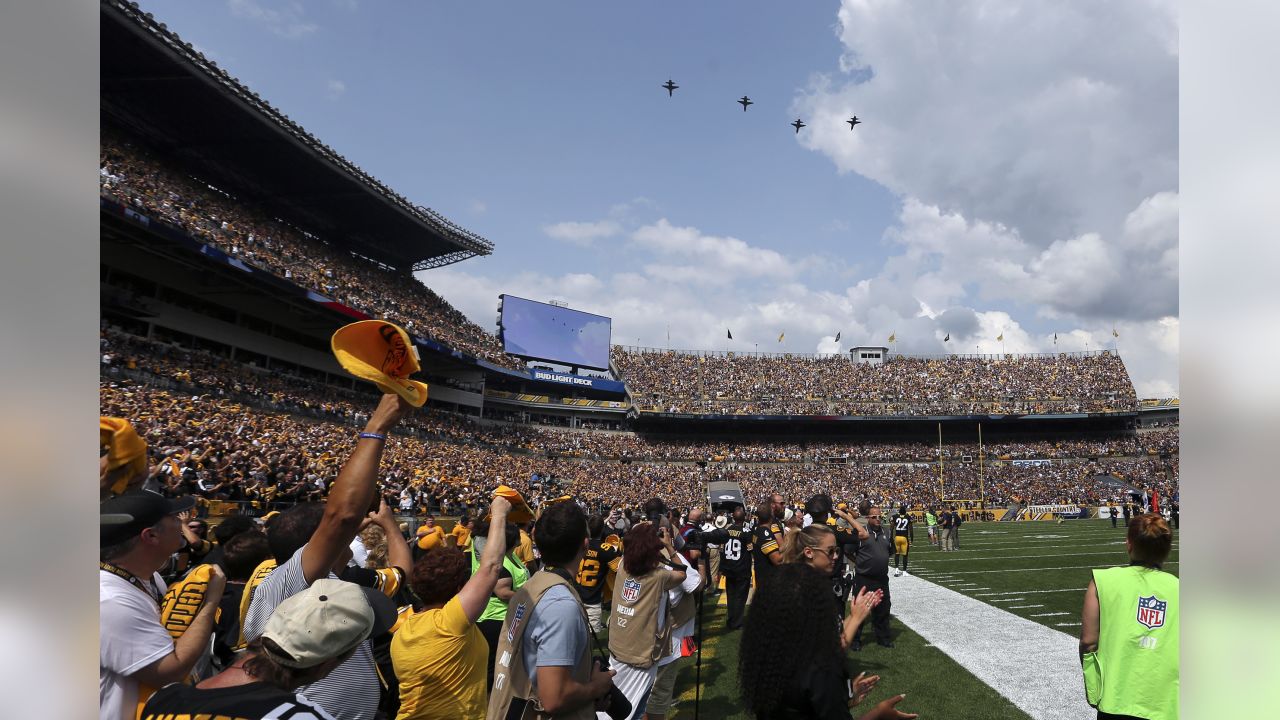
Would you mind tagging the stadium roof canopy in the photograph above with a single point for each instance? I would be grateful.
(156, 85)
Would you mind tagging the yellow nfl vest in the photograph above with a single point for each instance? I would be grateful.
(1135, 669)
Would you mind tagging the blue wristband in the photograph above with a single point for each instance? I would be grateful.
(373, 436)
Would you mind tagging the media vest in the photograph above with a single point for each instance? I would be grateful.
(511, 679)
(1135, 669)
(636, 637)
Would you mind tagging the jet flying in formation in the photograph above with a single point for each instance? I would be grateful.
(670, 87)
(853, 121)
(744, 102)
(797, 125)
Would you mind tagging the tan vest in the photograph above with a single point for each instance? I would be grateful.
(511, 679)
(635, 636)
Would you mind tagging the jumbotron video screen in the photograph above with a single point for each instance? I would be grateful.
(542, 331)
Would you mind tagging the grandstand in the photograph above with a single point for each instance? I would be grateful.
(234, 243)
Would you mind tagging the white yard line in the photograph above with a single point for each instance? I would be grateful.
(1022, 607)
(1050, 614)
(985, 558)
(1067, 624)
(1037, 569)
(1036, 667)
(1021, 592)
(1004, 600)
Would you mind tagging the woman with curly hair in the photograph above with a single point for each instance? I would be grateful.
(791, 665)
(639, 626)
(439, 654)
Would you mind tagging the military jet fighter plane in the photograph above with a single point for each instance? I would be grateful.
(744, 102)
(797, 125)
(670, 86)
(853, 121)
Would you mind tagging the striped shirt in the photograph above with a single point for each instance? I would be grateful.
(350, 691)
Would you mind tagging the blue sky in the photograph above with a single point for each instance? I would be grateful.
(1016, 172)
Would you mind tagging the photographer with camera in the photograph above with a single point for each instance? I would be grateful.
(640, 624)
(545, 668)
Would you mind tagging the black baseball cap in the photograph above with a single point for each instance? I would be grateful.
(143, 508)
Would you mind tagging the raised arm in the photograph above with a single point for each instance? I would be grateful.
(352, 492)
(475, 594)
(398, 553)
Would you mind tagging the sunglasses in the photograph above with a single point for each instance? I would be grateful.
(830, 552)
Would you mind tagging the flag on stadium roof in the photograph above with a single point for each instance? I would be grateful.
(893, 336)
(730, 332)
(1113, 332)
(1000, 337)
(1055, 338)
(947, 338)
(781, 336)
(837, 337)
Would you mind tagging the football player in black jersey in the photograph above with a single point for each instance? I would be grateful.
(766, 542)
(735, 563)
(599, 563)
(904, 531)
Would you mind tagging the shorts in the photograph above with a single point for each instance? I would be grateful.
(900, 545)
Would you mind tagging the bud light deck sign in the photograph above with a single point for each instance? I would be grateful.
(1151, 611)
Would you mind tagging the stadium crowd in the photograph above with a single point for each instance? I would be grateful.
(730, 383)
(133, 176)
(204, 372)
(223, 449)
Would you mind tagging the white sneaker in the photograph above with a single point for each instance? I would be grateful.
(898, 574)
(904, 572)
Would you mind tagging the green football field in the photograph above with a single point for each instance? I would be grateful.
(1034, 570)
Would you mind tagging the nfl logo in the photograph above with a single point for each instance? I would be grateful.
(630, 590)
(1151, 611)
(516, 619)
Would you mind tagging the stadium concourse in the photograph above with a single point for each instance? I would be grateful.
(234, 244)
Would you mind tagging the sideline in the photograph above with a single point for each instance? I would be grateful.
(1036, 667)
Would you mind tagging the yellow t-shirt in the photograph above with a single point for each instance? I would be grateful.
(431, 539)
(525, 551)
(440, 660)
(463, 537)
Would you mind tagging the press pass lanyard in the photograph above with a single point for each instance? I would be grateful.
(149, 587)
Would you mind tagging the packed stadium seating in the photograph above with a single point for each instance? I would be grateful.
(133, 176)
(226, 432)
(766, 384)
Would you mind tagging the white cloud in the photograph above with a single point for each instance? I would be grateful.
(582, 233)
(1051, 118)
(479, 207)
(710, 257)
(335, 89)
(287, 20)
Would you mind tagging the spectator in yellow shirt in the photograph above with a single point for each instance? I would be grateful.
(429, 534)
(462, 533)
(439, 654)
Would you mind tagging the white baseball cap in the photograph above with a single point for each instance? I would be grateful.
(320, 623)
